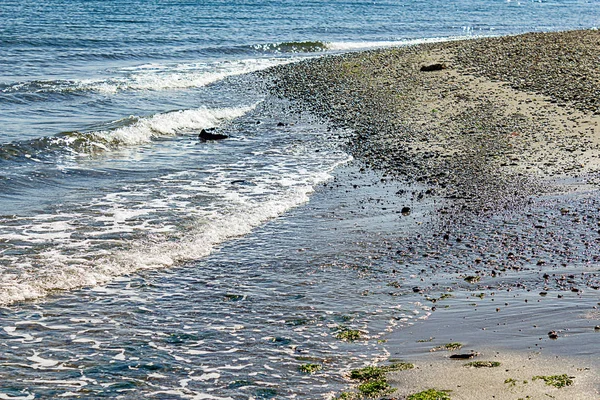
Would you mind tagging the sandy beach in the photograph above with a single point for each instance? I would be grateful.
(501, 135)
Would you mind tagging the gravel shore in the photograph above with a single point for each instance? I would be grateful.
(513, 165)
(502, 114)
(503, 136)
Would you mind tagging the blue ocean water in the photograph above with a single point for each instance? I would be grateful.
(104, 185)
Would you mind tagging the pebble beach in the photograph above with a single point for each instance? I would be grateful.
(501, 135)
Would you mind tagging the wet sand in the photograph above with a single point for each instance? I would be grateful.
(504, 140)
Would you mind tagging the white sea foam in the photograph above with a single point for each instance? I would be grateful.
(170, 219)
(349, 46)
(214, 225)
(166, 124)
(5, 396)
(153, 77)
(42, 363)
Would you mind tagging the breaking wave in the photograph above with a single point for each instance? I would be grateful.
(149, 77)
(128, 131)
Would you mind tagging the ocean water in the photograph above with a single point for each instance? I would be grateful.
(137, 261)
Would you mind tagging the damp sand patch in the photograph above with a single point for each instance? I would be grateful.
(519, 376)
(526, 362)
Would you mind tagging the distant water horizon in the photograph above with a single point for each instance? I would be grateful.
(102, 177)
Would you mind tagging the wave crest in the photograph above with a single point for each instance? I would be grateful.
(128, 131)
(150, 77)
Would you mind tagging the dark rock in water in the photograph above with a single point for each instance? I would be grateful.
(405, 210)
(433, 67)
(280, 124)
(243, 182)
(207, 134)
(281, 340)
(553, 335)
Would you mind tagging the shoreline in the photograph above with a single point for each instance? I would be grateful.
(512, 150)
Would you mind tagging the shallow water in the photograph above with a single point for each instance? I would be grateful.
(238, 323)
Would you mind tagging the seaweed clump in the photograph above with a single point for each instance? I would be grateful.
(483, 364)
(349, 335)
(373, 381)
(310, 368)
(449, 346)
(430, 394)
(373, 373)
(558, 381)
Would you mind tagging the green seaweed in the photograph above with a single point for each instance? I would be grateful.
(453, 346)
(448, 346)
(375, 388)
(430, 394)
(373, 381)
(377, 373)
(558, 381)
(483, 364)
(310, 368)
(349, 335)
(511, 382)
